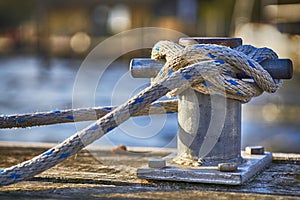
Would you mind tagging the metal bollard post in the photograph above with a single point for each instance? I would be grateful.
(197, 114)
(209, 129)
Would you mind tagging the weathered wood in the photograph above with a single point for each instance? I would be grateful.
(103, 173)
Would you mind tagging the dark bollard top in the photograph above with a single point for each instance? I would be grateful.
(229, 42)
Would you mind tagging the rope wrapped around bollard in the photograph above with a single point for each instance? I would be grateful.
(205, 68)
(230, 62)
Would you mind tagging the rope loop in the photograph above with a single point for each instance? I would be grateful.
(229, 62)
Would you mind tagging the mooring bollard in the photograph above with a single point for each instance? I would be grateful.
(201, 143)
(198, 139)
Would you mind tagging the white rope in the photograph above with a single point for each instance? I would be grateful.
(230, 62)
(185, 67)
(80, 114)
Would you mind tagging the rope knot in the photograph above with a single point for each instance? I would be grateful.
(220, 66)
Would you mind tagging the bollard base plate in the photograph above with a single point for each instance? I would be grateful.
(252, 165)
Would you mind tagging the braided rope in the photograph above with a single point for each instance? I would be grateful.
(86, 136)
(82, 114)
(189, 66)
(244, 58)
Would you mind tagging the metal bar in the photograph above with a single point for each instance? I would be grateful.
(148, 68)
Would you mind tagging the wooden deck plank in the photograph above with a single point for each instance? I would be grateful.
(103, 173)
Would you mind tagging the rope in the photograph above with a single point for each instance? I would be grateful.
(82, 114)
(244, 58)
(189, 66)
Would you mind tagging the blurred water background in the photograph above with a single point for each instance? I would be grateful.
(43, 47)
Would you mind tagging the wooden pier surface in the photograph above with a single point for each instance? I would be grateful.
(103, 173)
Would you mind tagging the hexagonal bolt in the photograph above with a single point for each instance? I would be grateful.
(156, 163)
(255, 150)
(227, 167)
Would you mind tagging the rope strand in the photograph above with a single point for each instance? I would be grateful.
(82, 114)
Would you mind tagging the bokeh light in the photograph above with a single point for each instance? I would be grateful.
(80, 42)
